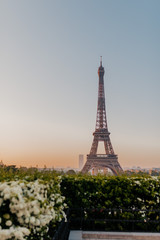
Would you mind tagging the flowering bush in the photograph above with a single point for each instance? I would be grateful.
(29, 208)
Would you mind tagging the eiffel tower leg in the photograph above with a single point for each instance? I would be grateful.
(108, 146)
(94, 146)
(118, 168)
(87, 166)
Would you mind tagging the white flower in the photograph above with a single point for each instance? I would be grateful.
(6, 190)
(32, 220)
(27, 220)
(59, 200)
(8, 223)
(20, 214)
(6, 196)
(37, 222)
(42, 222)
(139, 199)
(138, 182)
(14, 200)
(25, 231)
(22, 184)
(36, 210)
(21, 220)
(18, 235)
(21, 206)
(3, 186)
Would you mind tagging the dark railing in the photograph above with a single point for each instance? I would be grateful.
(94, 219)
(115, 220)
(63, 230)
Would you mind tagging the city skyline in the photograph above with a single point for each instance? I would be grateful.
(50, 53)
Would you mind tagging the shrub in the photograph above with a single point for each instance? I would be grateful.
(111, 192)
(29, 209)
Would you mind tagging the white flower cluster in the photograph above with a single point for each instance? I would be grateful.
(16, 233)
(30, 204)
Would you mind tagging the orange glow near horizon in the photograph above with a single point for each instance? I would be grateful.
(70, 159)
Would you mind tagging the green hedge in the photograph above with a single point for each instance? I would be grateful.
(112, 203)
(111, 192)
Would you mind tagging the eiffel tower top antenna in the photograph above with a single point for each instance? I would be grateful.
(101, 61)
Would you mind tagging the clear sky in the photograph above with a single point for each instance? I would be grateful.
(49, 56)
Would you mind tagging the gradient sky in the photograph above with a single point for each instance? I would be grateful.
(49, 56)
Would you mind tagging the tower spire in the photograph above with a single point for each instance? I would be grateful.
(100, 61)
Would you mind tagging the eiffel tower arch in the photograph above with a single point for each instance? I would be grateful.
(109, 159)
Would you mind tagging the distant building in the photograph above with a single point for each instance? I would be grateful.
(1, 164)
(156, 169)
(61, 169)
(81, 161)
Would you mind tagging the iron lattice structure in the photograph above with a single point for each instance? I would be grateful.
(110, 159)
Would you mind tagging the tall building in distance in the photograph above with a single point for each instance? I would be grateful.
(81, 161)
(109, 160)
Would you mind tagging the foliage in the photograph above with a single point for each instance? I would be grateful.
(111, 191)
(30, 174)
(30, 204)
(114, 197)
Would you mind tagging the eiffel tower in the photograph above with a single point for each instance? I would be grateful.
(110, 159)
